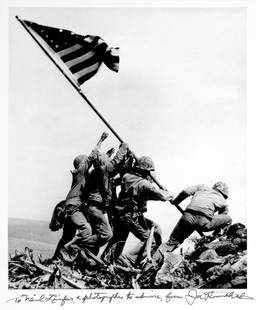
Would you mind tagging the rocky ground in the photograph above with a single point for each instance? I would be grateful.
(217, 261)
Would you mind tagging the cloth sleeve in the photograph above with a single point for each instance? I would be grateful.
(189, 191)
(147, 191)
(112, 165)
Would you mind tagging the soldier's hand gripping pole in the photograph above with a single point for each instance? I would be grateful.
(162, 187)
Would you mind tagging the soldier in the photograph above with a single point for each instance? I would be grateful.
(136, 190)
(136, 255)
(207, 211)
(75, 219)
(98, 197)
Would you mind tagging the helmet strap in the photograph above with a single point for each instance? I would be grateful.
(223, 194)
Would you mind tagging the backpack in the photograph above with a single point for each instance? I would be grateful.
(58, 216)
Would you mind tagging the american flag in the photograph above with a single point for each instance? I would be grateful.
(82, 55)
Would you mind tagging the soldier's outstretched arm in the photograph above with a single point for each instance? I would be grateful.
(96, 149)
(150, 192)
(189, 191)
(119, 156)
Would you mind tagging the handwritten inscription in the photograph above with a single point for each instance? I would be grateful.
(193, 295)
(44, 298)
(102, 297)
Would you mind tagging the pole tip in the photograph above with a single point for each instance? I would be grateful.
(17, 17)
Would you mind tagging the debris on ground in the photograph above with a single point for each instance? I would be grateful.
(29, 272)
(218, 260)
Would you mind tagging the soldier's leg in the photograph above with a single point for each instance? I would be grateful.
(138, 226)
(183, 229)
(82, 225)
(70, 251)
(102, 231)
(157, 231)
(128, 223)
(117, 242)
(69, 231)
(218, 221)
(135, 226)
(139, 252)
(132, 256)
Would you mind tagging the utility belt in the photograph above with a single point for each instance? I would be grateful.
(126, 205)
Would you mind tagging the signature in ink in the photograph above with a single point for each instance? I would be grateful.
(193, 295)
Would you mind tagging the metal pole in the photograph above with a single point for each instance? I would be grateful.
(72, 82)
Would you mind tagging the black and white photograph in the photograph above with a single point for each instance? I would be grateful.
(127, 150)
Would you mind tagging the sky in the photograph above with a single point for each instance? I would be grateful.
(179, 97)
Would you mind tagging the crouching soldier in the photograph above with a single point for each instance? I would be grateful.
(136, 190)
(75, 220)
(207, 211)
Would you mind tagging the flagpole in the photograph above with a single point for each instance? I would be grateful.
(78, 89)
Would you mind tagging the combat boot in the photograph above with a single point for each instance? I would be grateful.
(69, 253)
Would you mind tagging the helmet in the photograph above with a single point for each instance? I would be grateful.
(222, 188)
(79, 159)
(145, 163)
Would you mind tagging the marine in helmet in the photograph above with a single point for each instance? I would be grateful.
(75, 220)
(98, 195)
(136, 190)
(207, 211)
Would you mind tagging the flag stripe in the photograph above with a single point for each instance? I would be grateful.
(77, 53)
(111, 59)
(69, 50)
(86, 77)
(80, 59)
(87, 70)
(114, 59)
(86, 63)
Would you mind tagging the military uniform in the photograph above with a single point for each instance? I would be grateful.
(207, 210)
(98, 197)
(76, 220)
(130, 209)
(76, 226)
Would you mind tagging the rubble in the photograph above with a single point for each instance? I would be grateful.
(29, 272)
(217, 261)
